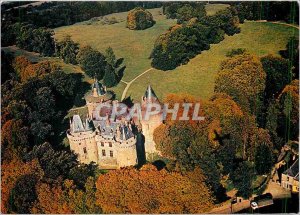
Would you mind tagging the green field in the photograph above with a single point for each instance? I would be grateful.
(134, 46)
(197, 77)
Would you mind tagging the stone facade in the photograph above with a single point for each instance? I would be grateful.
(109, 143)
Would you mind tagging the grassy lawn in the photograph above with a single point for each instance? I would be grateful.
(134, 46)
(197, 77)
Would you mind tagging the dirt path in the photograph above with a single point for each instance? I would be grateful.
(129, 83)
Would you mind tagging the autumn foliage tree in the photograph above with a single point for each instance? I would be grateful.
(151, 191)
(139, 19)
(38, 70)
(10, 174)
(242, 77)
(65, 198)
(288, 101)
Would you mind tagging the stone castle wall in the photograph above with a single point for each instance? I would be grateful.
(84, 145)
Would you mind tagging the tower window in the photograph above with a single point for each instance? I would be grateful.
(84, 150)
(110, 144)
(102, 144)
(103, 153)
(111, 153)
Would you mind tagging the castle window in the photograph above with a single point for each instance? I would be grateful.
(110, 144)
(102, 144)
(103, 153)
(111, 153)
(84, 150)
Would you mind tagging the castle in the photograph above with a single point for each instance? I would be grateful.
(111, 143)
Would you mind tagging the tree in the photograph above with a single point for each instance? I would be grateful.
(10, 173)
(278, 74)
(92, 62)
(151, 191)
(272, 124)
(80, 174)
(43, 41)
(139, 19)
(184, 11)
(110, 57)
(263, 159)
(110, 78)
(178, 45)
(116, 64)
(23, 194)
(228, 21)
(38, 70)
(292, 54)
(65, 198)
(19, 64)
(67, 50)
(242, 179)
(31, 38)
(54, 163)
(289, 111)
(14, 138)
(189, 11)
(243, 78)
(7, 70)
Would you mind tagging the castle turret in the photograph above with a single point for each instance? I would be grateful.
(148, 126)
(82, 139)
(96, 96)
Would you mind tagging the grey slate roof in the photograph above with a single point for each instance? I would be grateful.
(78, 126)
(149, 94)
(293, 170)
(99, 88)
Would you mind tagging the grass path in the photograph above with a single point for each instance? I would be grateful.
(129, 83)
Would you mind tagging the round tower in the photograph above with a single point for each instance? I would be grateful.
(148, 126)
(96, 96)
(81, 137)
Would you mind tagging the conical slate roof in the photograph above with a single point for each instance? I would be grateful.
(125, 132)
(78, 126)
(100, 89)
(149, 94)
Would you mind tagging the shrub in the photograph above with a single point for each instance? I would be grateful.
(139, 19)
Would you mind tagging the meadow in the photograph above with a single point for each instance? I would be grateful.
(134, 46)
(196, 77)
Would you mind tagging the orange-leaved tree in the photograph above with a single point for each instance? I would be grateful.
(148, 190)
